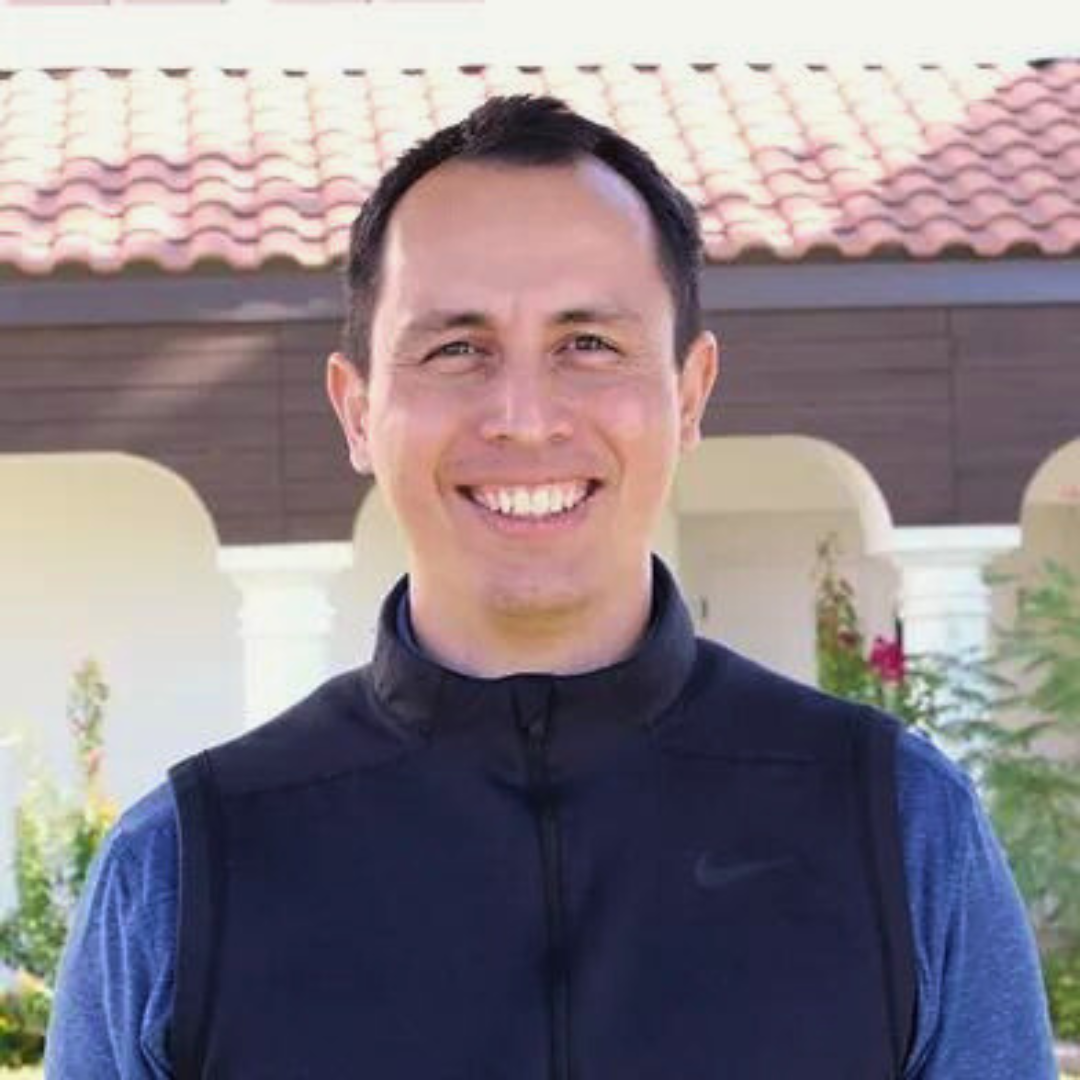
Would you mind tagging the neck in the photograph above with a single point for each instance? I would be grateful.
(489, 643)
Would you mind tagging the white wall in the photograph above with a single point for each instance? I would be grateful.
(754, 574)
(356, 594)
(110, 556)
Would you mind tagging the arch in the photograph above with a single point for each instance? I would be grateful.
(124, 474)
(1056, 481)
(749, 473)
(1049, 530)
(1050, 513)
(1049, 522)
(751, 512)
(114, 557)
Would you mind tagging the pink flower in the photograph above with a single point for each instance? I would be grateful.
(887, 659)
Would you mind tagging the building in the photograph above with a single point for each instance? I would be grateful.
(894, 272)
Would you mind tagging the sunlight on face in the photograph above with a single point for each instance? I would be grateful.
(522, 340)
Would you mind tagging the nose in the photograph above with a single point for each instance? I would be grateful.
(524, 406)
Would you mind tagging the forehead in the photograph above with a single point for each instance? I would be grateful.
(482, 233)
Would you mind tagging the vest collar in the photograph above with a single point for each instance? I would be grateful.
(636, 690)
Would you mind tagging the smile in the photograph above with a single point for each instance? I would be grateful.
(534, 502)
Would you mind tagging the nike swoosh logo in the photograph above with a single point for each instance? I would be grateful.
(715, 875)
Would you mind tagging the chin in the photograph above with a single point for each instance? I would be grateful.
(518, 596)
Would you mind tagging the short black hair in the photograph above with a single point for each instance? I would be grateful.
(526, 130)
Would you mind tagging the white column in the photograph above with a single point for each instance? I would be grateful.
(285, 619)
(944, 601)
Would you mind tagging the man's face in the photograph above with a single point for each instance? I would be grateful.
(523, 413)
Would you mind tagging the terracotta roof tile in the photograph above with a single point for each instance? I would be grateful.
(109, 170)
(1064, 235)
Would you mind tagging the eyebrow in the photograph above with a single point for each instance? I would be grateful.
(438, 321)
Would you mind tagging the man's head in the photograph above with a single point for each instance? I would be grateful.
(516, 385)
(526, 131)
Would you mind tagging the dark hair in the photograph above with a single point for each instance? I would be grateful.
(525, 130)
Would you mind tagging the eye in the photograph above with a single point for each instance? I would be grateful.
(455, 358)
(451, 348)
(591, 343)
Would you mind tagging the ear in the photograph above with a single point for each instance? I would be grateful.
(699, 373)
(348, 394)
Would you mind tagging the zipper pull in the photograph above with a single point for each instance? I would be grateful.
(535, 728)
(532, 709)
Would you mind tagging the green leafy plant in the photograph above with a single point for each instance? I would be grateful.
(24, 1016)
(56, 837)
(1062, 970)
(1034, 794)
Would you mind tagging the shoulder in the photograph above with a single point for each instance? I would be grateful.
(150, 816)
(763, 711)
(939, 808)
(941, 819)
(140, 851)
(336, 728)
(951, 845)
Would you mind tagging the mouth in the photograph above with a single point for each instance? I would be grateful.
(518, 508)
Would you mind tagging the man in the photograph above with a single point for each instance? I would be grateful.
(546, 833)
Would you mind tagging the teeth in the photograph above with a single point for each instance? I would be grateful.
(541, 501)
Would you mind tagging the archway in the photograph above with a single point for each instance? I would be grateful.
(110, 556)
(751, 512)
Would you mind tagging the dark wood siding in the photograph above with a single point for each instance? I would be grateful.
(951, 409)
(876, 383)
(1017, 377)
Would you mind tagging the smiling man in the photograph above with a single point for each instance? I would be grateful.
(546, 833)
(525, 411)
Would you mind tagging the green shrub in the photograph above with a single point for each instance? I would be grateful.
(1062, 973)
(24, 1016)
(1035, 798)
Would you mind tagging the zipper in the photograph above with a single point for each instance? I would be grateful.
(536, 726)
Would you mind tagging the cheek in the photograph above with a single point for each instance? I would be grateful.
(407, 443)
(648, 444)
(646, 426)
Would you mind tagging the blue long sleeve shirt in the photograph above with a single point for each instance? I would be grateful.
(981, 1011)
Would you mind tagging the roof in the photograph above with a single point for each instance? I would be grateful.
(178, 170)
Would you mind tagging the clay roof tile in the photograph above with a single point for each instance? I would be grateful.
(171, 169)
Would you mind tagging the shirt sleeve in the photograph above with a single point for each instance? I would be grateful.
(113, 995)
(982, 1011)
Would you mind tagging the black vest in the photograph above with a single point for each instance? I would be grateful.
(681, 867)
